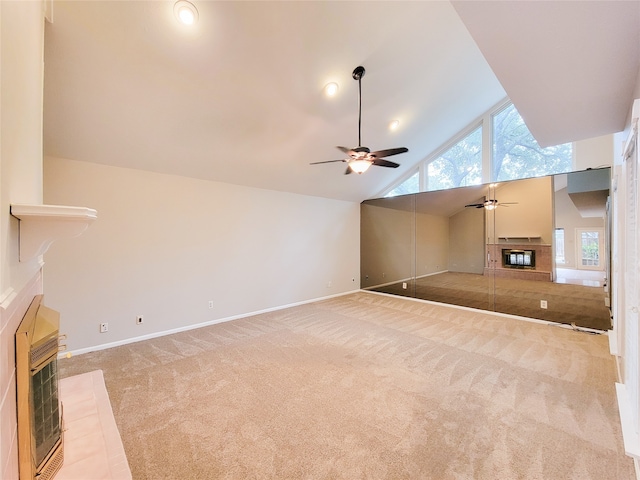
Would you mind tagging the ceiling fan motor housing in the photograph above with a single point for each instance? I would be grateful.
(361, 150)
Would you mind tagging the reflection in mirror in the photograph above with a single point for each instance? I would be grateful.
(534, 247)
(387, 242)
(450, 248)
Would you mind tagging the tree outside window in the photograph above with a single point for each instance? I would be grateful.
(410, 185)
(460, 166)
(516, 154)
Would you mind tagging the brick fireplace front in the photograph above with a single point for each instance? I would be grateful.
(541, 270)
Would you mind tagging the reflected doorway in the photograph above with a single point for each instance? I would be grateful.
(590, 248)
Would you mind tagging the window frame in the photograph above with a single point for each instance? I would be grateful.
(485, 123)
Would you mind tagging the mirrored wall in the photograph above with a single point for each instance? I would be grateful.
(534, 247)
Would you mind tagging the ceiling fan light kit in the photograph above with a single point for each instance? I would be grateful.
(359, 166)
(361, 158)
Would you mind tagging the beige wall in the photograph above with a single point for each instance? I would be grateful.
(432, 244)
(21, 41)
(387, 249)
(164, 246)
(533, 214)
(467, 230)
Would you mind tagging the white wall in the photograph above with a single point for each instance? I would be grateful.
(164, 246)
(21, 44)
(624, 338)
(593, 152)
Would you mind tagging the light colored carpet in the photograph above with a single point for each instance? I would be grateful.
(367, 386)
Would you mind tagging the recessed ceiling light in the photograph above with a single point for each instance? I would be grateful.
(185, 12)
(330, 89)
(394, 125)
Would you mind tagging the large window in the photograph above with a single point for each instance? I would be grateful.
(410, 185)
(459, 166)
(516, 154)
(513, 154)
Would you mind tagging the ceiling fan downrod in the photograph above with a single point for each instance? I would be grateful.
(360, 158)
(357, 74)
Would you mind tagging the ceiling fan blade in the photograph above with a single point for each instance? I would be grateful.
(348, 171)
(327, 161)
(389, 152)
(476, 205)
(385, 163)
(344, 150)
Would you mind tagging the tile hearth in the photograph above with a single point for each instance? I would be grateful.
(92, 444)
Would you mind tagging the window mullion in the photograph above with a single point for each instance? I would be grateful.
(487, 148)
(423, 177)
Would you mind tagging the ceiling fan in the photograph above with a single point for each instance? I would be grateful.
(361, 158)
(491, 204)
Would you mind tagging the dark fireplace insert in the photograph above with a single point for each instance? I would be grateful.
(518, 258)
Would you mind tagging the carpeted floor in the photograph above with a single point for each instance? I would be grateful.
(566, 303)
(366, 386)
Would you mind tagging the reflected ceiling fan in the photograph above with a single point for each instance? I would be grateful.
(361, 158)
(491, 204)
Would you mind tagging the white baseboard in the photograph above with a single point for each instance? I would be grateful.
(490, 312)
(629, 434)
(408, 279)
(149, 336)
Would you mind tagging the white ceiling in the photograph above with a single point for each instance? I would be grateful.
(238, 98)
(570, 67)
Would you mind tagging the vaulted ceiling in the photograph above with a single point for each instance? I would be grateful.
(238, 97)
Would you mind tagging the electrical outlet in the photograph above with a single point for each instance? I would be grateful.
(139, 320)
(210, 303)
(404, 285)
(543, 304)
(104, 327)
(329, 284)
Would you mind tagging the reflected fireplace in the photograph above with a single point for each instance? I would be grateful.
(40, 448)
(512, 258)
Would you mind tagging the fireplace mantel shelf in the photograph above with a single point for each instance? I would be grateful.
(521, 237)
(41, 225)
